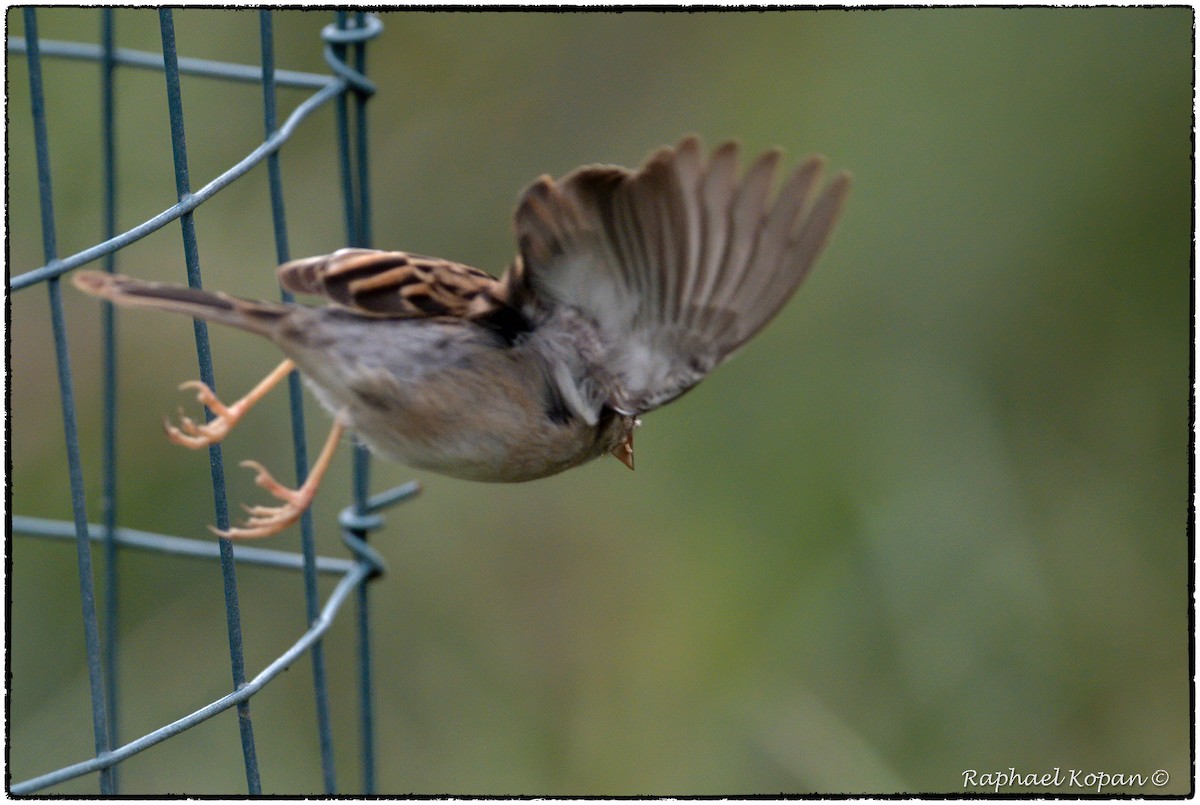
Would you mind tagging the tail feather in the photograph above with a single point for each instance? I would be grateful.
(256, 317)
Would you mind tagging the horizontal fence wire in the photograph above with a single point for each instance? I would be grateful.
(359, 573)
(168, 545)
(124, 57)
(345, 38)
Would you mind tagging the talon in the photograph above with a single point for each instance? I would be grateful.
(250, 464)
(190, 434)
(267, 481)
(178, 437)
(244, 533)
(206, 396)
(260, 511)
(266, 521)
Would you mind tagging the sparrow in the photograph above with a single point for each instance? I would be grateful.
(628, 288)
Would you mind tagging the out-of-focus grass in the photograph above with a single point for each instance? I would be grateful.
(933, 519)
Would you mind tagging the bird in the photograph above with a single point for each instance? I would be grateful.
(627, 289)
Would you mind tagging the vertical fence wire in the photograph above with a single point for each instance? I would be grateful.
(312, 602)
(349, 33)
(108, 102)
(362, 487)
(352, 147)
(192, 258)
(83, 548)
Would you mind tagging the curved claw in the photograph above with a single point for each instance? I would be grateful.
(195, 438)
(205, 396)
(190, 434)
(267, 481)
(266, 521)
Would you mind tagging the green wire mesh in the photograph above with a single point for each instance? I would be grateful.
(344, 42)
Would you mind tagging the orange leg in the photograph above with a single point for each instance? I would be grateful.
(266, 521)
(190, 434)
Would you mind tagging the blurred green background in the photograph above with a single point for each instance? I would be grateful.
(935, 518)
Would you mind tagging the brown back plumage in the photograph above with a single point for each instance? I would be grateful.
(393, 284)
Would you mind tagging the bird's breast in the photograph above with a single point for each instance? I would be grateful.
(446, 398)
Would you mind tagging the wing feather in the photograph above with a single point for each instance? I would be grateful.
(677, 263)
(745, 220)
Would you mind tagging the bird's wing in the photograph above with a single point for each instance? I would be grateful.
(677, 263)
(394, 284)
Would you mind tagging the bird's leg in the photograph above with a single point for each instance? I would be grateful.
(266, 521)
(190, 434)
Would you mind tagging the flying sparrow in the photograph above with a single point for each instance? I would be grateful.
(628, 288)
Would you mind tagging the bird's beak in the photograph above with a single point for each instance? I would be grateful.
(624, 450)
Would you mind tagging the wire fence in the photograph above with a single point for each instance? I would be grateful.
(348, 89)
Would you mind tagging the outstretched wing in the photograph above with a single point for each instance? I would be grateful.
(394, 284)
(678, 263)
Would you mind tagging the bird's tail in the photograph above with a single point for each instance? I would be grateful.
(256, 317)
